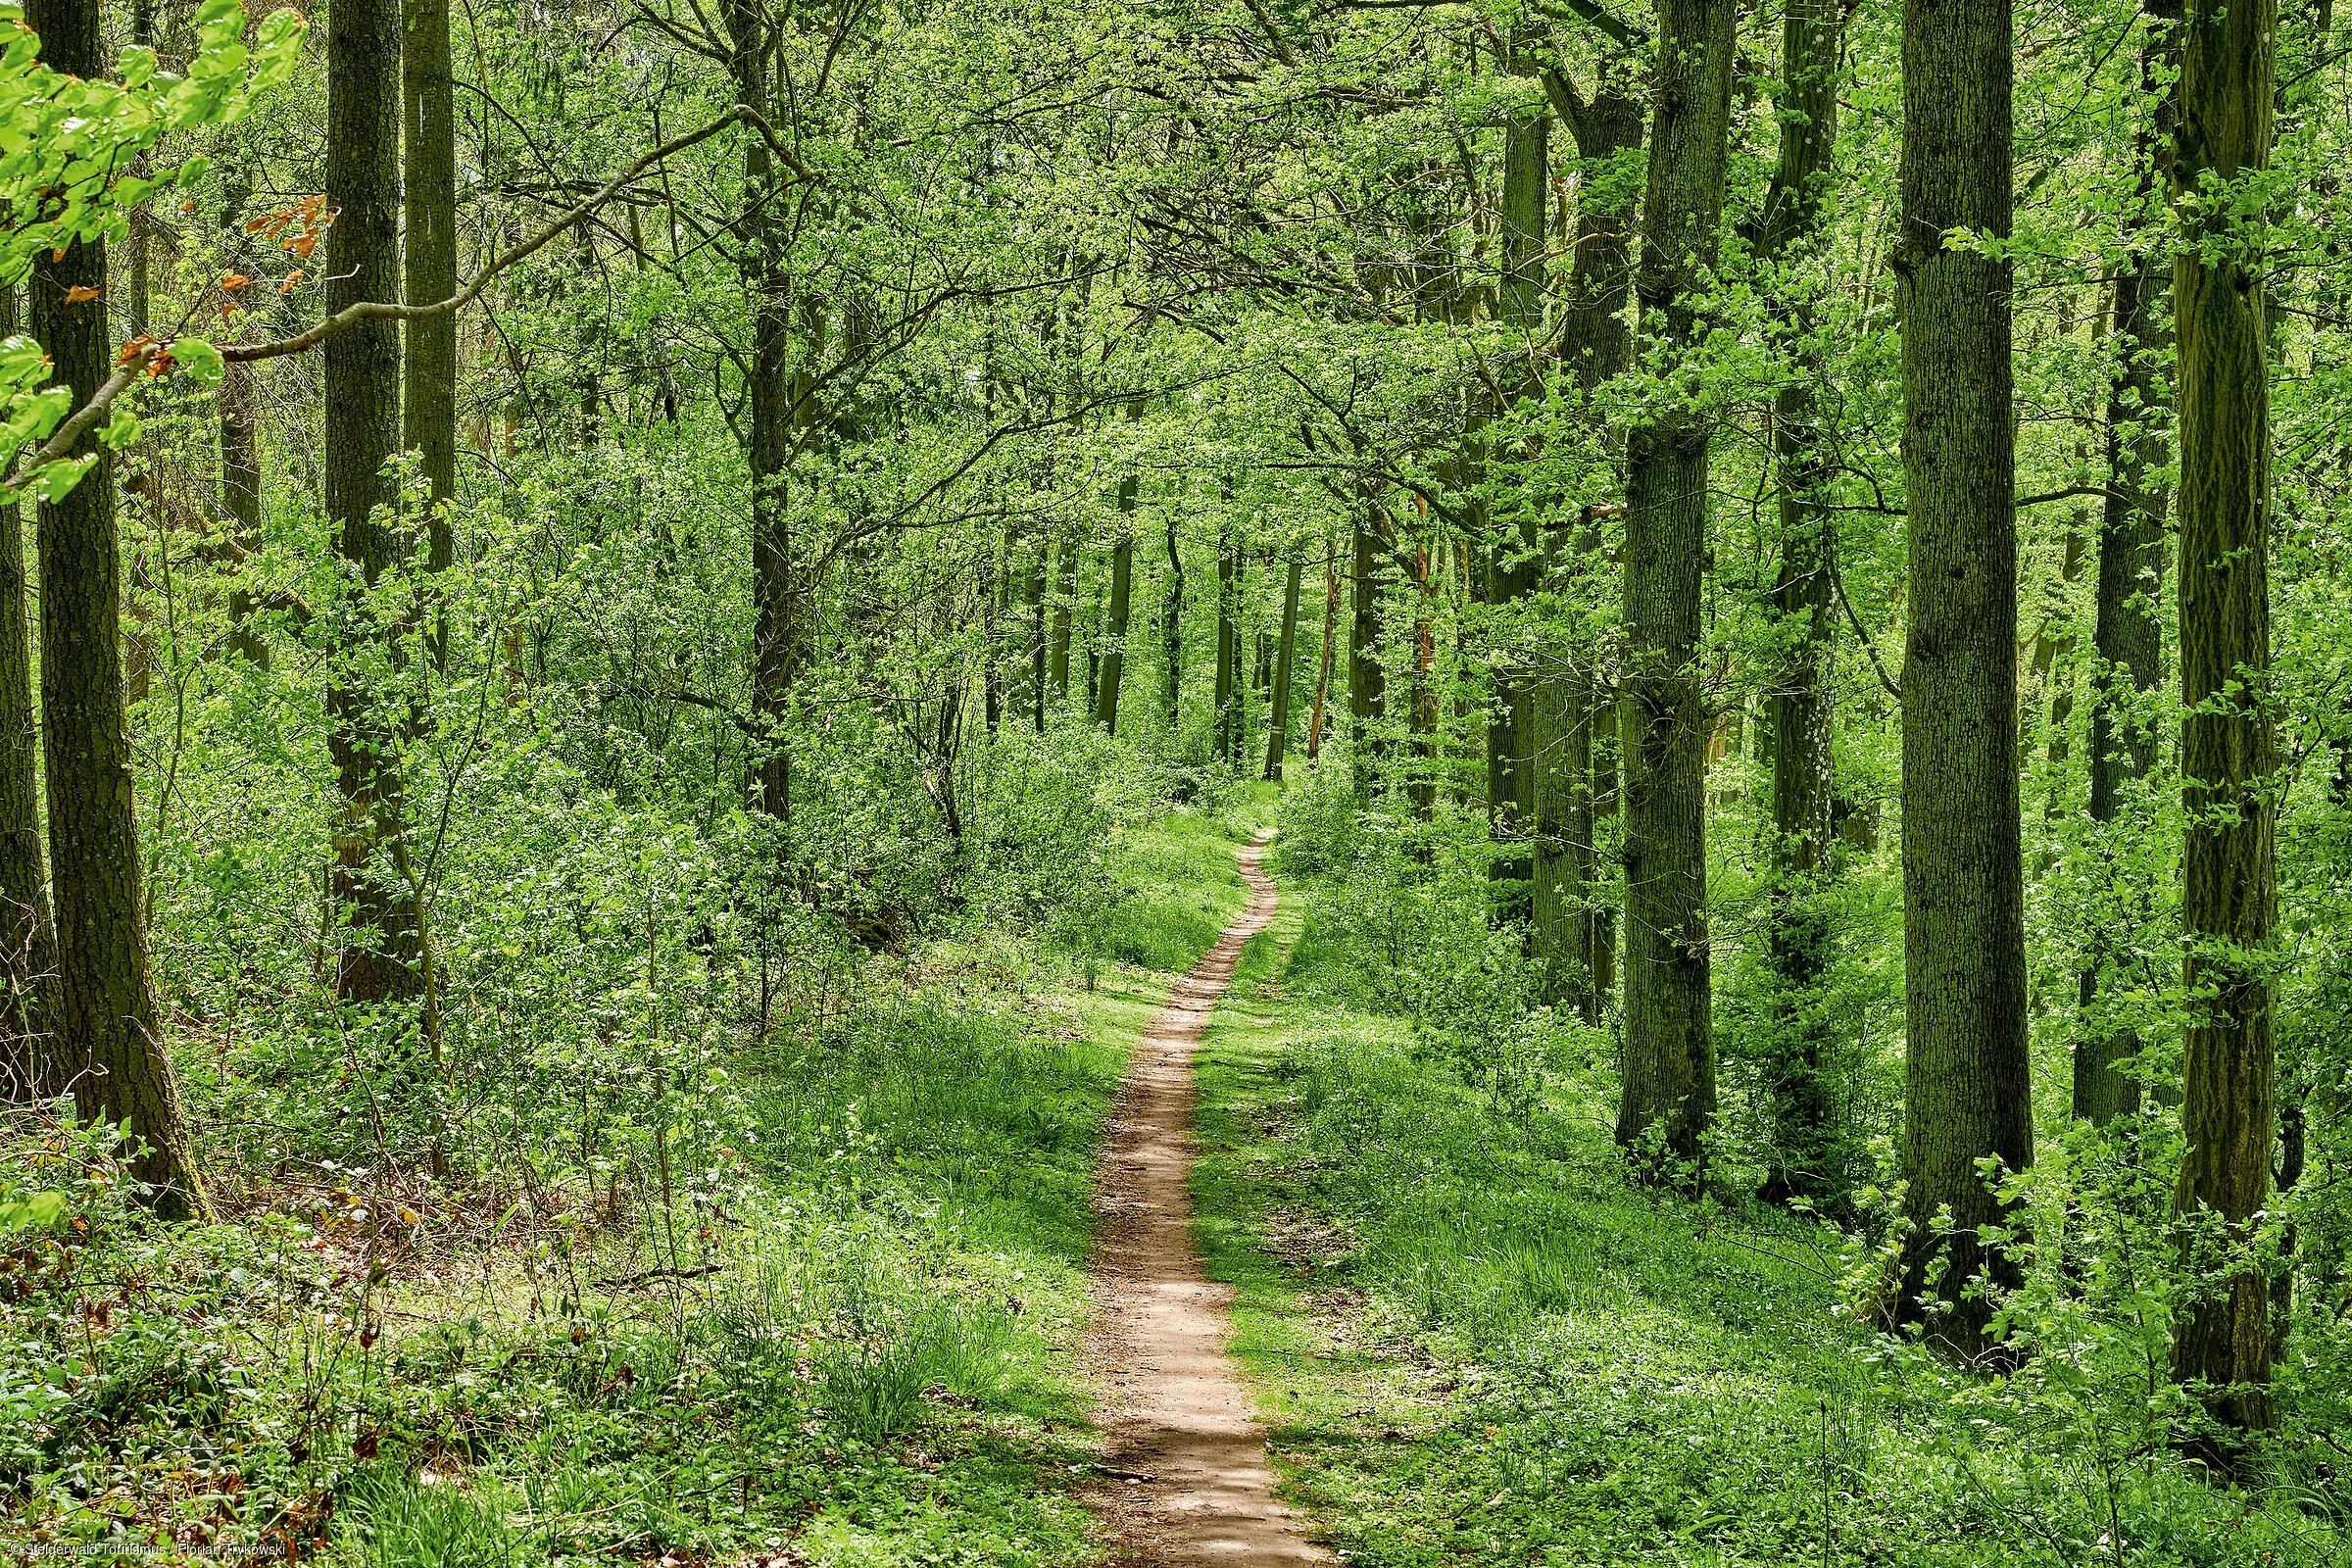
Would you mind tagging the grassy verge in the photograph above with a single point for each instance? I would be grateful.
(1473, 1343)
(840, 1330)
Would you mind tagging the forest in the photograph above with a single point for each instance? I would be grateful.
(1025, 783)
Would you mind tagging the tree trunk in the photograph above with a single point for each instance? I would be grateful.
(1065, 593)
(108, 1038)
(2229, 751)
(1278, 711)
(429, 370)
(1227, 653)
(241, 499)
(1968, 1080)
(1803, 705)
(1331, 616)
(380, 956)
(28, 938)
(1033, 603)
(2127, 633)
(1565, 701)
(777, 631)
(1114, 649)
(1669, 1043)
(1366, 680)
(1171, 627)
(1515, 564)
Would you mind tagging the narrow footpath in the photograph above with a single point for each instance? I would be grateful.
(1189, 1481)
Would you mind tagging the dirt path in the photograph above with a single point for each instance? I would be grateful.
(1189, 1479)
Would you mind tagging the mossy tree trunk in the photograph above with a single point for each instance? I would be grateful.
(2229, 749)
(1669, 1090)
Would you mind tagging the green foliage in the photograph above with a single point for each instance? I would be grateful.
(1478, 1344)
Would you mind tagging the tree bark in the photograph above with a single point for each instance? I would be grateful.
(1171, 627)
(1516, 561)
(381, 956)
(241, 499)
(1114, 649)
(1065, 593)
(777, 629)
(1669, 1044)
(1034, 566)
(1330, 616)
(2228, 750)
(109, 1040)
(1228, 654)
(1802, 702)
(2127, 631)
(430, 192)
(1967, 1080)
(1278, 709)
(28, 938)
(1565, 700)
(1366, 680)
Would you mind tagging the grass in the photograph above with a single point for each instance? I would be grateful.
(839, 1330)
(1473, 1343)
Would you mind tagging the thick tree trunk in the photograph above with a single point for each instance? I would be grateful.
(2229, 749)
(28, 938)
(1114, 649)
(108, 1039)
(1802, 702)
(1669, 1040)
(429, 190)
(1278, 709)
(382, 955)
(2128, 631)
(1565, 700)
(1968, 1082)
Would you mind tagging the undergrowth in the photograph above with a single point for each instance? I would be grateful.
(813, 1302)
(1476, 1343)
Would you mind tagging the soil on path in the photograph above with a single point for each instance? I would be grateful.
(1189, 1478)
